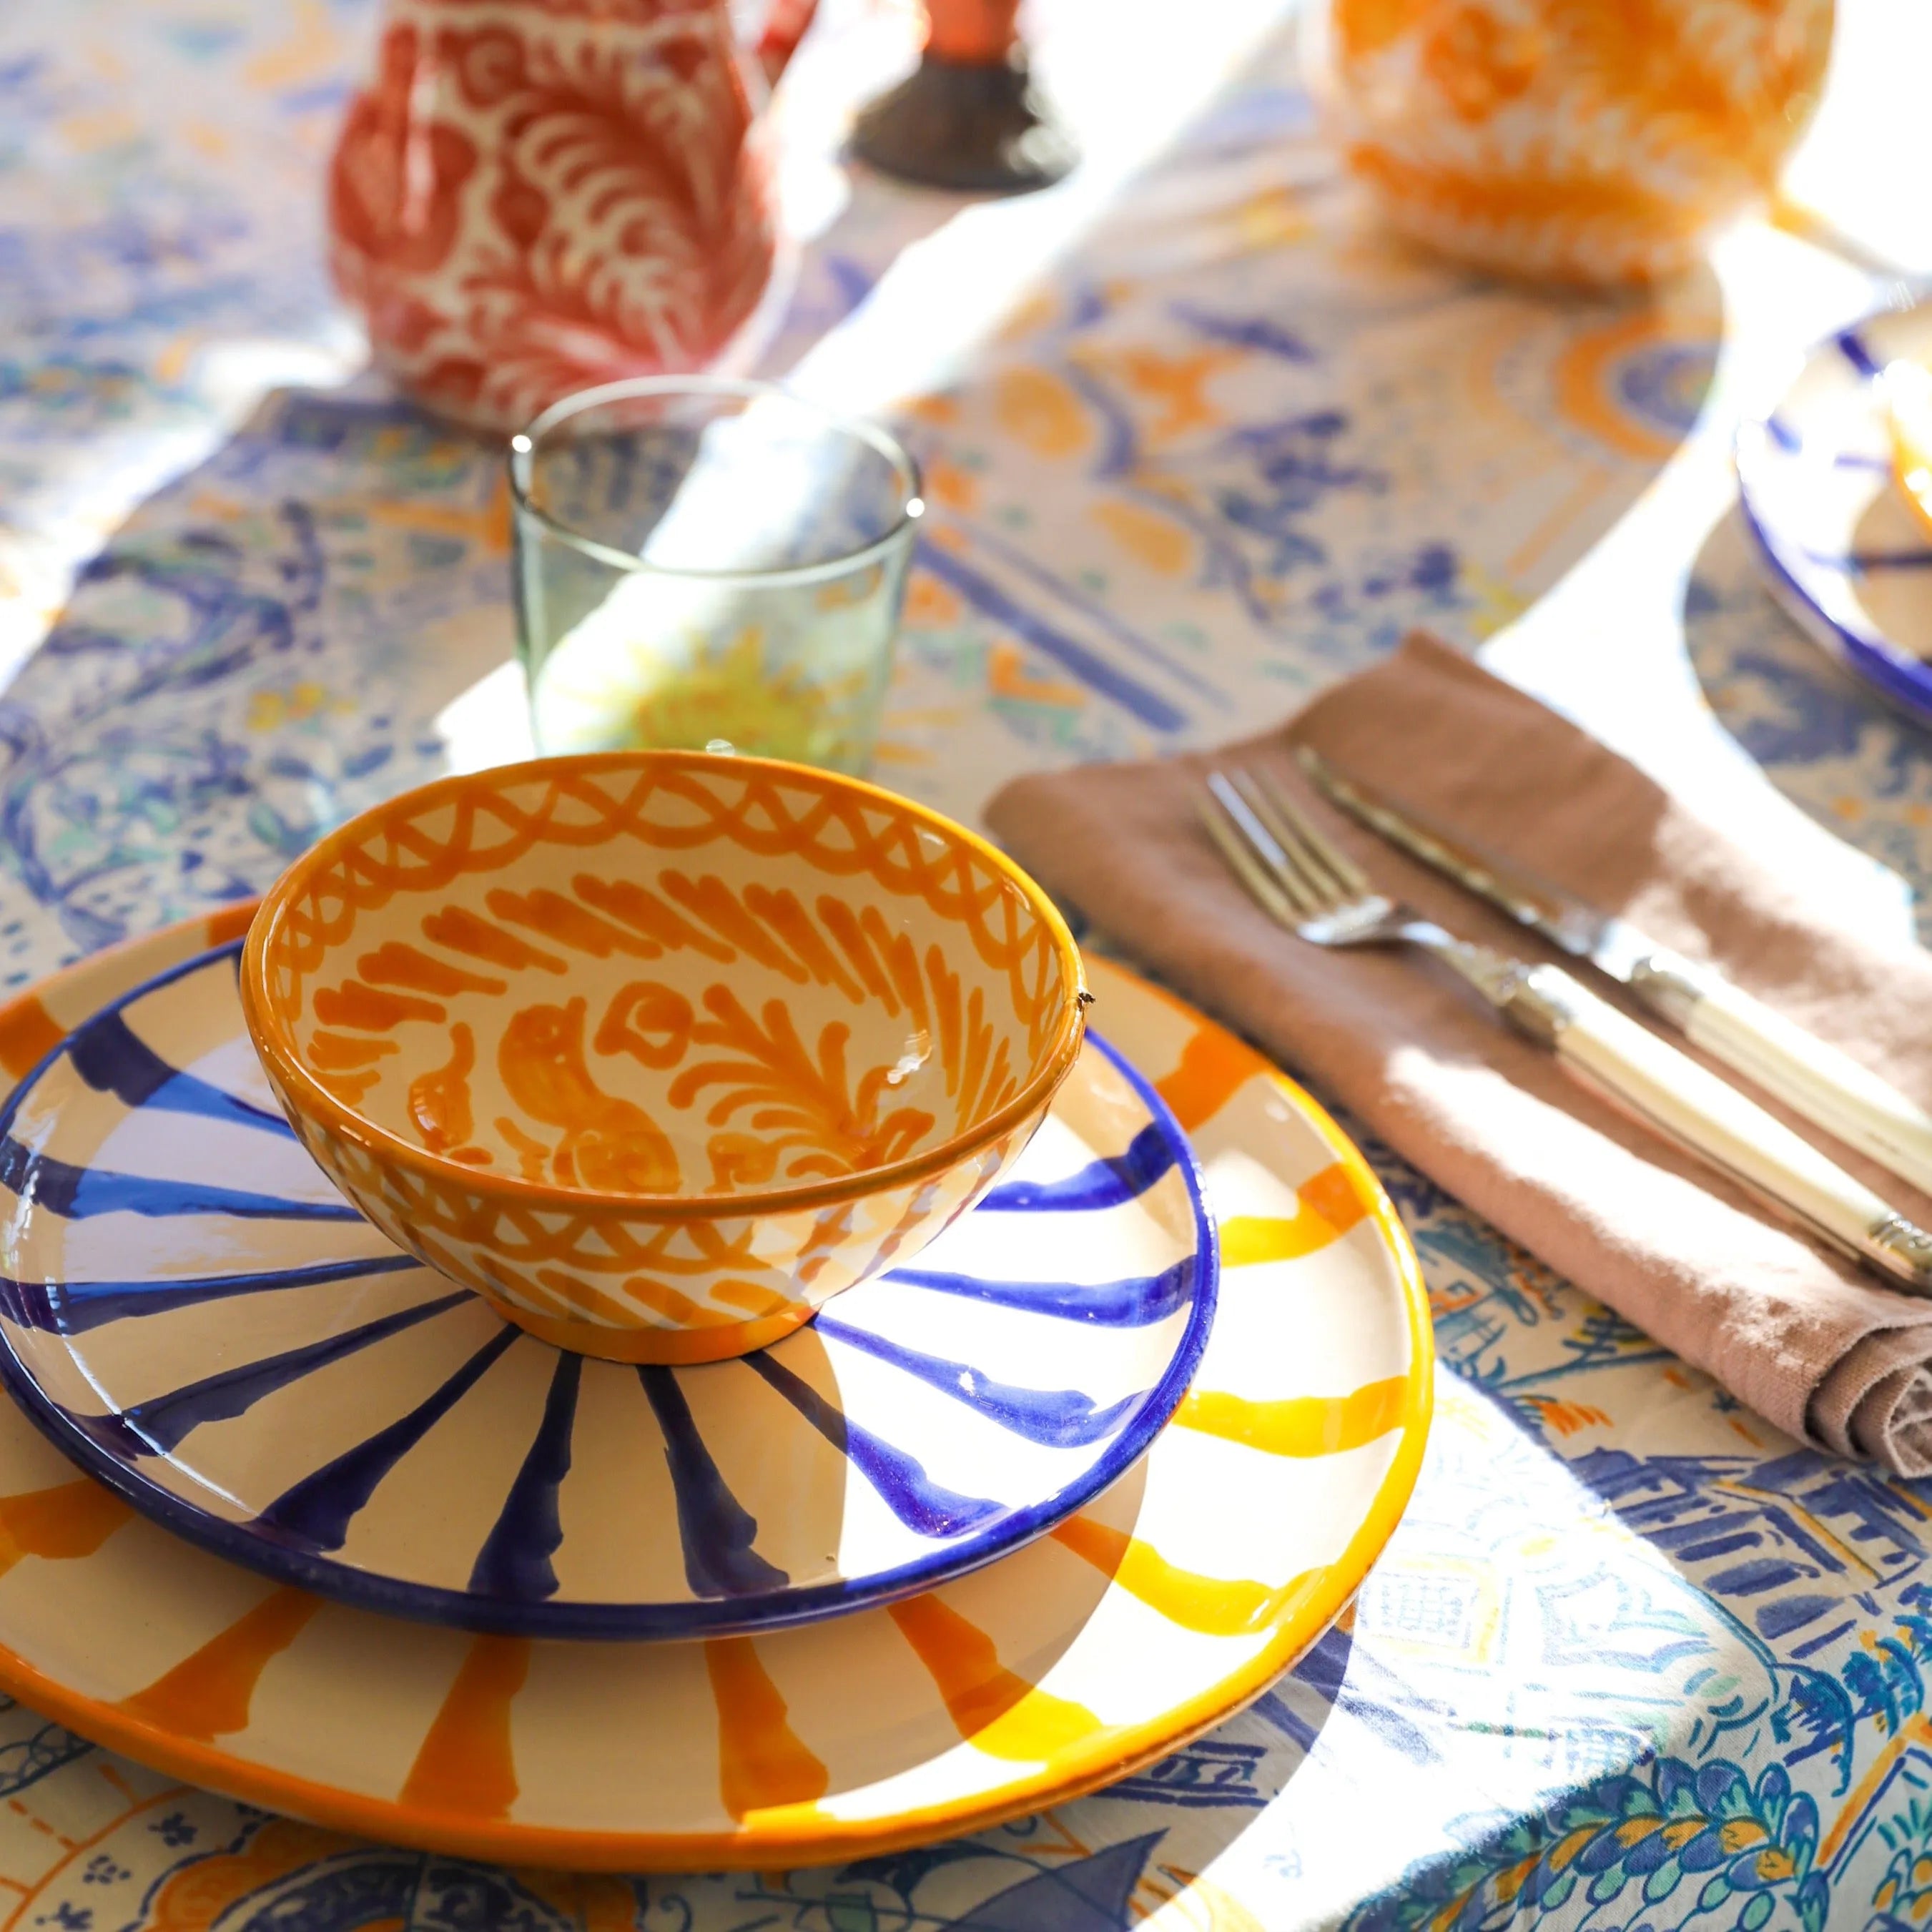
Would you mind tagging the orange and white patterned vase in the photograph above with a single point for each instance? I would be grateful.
(1583, 141)
(535, 196)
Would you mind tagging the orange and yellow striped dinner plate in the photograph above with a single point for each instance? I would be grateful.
(1151, 1614)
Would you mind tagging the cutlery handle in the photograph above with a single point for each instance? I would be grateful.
(1646, 1076)
(1817, 1081)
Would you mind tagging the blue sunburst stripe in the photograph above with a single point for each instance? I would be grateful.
(1851, 345)
(715, 1528)
(316, 1511)
(161, 1424)
(112, 1058)
(926, 1507)
(244, 1233)
(76, 1307)
(514, 1560)
(1055, 1418)
(79, 1193)
(1101, 1183)
(1138, 1302)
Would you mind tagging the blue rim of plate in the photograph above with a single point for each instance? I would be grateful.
(738, 1613)
(1903, 680)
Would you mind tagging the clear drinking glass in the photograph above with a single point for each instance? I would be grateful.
(704, 562)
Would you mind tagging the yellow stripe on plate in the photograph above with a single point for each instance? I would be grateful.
(994, 1709)
(1306, 1425)
(1327, 1204)
(1208, 1605)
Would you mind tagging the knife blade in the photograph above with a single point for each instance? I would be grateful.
(1818, 1081)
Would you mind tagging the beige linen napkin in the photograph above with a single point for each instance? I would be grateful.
(1806, 1340)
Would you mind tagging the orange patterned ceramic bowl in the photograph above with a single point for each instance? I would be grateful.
(657, 1051)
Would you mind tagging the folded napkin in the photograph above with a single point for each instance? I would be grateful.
(1806, 1339)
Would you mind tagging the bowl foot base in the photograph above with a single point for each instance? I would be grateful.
(677, 1348)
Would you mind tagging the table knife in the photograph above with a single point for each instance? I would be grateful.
(1826, 1086)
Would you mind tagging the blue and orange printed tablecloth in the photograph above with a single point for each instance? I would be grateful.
(1198, 442)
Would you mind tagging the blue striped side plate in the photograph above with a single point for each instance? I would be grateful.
(1842, 550)
(191, 1310)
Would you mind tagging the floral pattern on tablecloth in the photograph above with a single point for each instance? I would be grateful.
(1632, 1658)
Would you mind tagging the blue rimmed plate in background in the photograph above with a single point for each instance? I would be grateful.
(193, 1312)
(1844, 552)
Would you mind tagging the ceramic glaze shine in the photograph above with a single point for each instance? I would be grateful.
(655, 986)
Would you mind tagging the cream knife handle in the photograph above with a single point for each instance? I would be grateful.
(1669, 1092)
(1816, 1080)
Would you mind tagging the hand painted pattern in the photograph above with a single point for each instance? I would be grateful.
(492, 825)
(809, 1121)
(532, 200)
(822, 1126)
(754, 1167)
(405, 1400)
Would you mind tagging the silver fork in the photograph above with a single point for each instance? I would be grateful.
(1307, 882)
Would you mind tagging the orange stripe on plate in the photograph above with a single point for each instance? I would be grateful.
(1307, 1425)
(466, 1764)
(761, 1763)
(231, 922)
(1214, 1066)
(207, 1696)
(69, 1519)
(28, 1033)
(993, 1708)
(1328, 1204)
(1209, 1605)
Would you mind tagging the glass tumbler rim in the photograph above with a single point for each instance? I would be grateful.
(523, 446)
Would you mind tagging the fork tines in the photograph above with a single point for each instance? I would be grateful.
(1288, 865)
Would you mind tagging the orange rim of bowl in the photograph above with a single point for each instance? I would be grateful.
(269, 1029)
(803, 1833)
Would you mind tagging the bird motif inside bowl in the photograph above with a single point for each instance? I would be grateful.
(657, 1051)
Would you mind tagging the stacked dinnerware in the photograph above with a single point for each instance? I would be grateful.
(629, 1323)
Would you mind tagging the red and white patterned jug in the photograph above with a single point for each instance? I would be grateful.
(534, 196)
